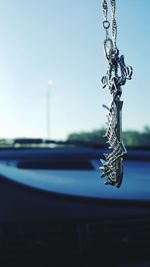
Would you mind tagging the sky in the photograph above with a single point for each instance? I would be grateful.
(62, 40)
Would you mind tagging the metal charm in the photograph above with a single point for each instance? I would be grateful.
(116, 76)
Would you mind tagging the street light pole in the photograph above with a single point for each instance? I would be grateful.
(50, 83)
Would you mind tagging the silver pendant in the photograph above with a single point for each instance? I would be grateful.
(112, 163)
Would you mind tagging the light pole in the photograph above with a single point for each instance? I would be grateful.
(50, 83)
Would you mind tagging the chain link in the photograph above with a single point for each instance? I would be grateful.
(106, 23)
(105, 9)
(114, 23)
(113, 6)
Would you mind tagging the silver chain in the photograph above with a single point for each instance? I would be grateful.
(106, 23)
(113, 162)
(114, 23)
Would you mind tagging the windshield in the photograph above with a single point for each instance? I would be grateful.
(51, 64)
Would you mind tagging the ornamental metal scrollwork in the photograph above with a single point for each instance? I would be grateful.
(116, 76)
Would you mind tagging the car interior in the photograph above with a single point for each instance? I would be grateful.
(74, 177)
(57, 211)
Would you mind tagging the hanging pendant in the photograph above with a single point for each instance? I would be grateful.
(112, 163)
(115, 77)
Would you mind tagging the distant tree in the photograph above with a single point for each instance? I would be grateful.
(93, 136)
(131, 138)
(147, 129)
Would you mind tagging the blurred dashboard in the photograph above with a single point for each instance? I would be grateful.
(53, 202)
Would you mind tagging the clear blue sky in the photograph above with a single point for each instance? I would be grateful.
(62, 40)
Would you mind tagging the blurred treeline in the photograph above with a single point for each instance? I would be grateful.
(132, 138)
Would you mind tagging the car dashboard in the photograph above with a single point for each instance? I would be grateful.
(56, 210)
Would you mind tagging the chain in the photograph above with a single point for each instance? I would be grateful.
(106, 23)
(113, 162)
